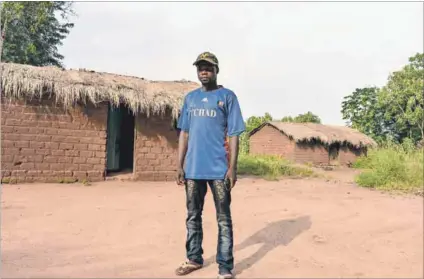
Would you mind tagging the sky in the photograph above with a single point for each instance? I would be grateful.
(283, 58)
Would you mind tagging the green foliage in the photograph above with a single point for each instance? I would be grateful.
(255, 121)
(392, 167)
(362, 112)
(252, 123)
(287, 119)
(66, 180)
(244, 143)
(394, 111)
(403, 99)
(270, 167)
(31, 31)
(308, 117)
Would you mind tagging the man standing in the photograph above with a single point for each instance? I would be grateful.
(209, 115)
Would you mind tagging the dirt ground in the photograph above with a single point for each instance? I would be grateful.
(288, 228)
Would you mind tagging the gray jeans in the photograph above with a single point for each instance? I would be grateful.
(195, 194)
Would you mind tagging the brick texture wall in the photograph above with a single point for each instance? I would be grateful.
(44, 143)
(270, 141)
(348, 155)
(315, 154)
(156, 146)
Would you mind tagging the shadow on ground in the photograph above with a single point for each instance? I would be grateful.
(278, 233)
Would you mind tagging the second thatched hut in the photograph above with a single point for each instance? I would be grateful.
(66, 125)
(312, 143)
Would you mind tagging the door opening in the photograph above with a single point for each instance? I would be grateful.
(120, 140)
(333, 155)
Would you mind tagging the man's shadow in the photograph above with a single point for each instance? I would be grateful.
(278, 233)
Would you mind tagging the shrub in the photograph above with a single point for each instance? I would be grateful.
(392, 167)
(270, 167)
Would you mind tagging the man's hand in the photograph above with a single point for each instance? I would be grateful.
(182, 149)
(180, 177)
(231, 177)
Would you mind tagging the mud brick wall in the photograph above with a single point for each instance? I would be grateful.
(44, 143)
(155, 148)
(348, 155)
(270, 141)
(315, 154)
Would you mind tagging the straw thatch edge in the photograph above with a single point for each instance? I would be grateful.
(70, 87)
(343, 137)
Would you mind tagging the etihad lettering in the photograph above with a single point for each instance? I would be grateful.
(203, 112)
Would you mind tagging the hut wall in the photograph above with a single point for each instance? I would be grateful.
(348, 155)
(155, 149)
(313, 153)
(44, 143)
(270, 141)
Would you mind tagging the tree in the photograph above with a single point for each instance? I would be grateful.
(252, 123)
(9, 12)
(308, 117)
(362, 111)
(255, 121)
(394, 111)
(402, 98)
(287, 119)
(31, 32)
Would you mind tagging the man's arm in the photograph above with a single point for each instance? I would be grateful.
(235, 127)
(184, 126)
(234, 151)
(182, 149)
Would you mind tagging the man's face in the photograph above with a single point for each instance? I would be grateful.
(206, 72)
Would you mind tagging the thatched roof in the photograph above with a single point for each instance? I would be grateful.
(69, 86)
(327, 134)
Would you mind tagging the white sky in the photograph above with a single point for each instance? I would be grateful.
(282, 58)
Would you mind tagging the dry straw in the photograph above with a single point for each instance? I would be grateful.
(327, 134)
(67, 87)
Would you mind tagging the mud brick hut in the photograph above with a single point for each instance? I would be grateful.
(78, 125)
(312, 143)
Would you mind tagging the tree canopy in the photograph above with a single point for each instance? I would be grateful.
(402, 99)
(255, 121)
(307, 117)
(394, 111)
(32, 31)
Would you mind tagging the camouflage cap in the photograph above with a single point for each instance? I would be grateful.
(207, 57)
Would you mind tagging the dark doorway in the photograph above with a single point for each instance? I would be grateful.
(333, 154)
(120, 139)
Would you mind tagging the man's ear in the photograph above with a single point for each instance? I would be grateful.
(217, 69)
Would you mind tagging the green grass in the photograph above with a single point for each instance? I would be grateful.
(270, 167)
(392, 168)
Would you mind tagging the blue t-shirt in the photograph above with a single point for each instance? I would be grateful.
(208, 117)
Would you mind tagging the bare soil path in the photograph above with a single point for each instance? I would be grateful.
(288, 228)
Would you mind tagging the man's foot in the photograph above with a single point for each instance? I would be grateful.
(225, 275)
(187, 267)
